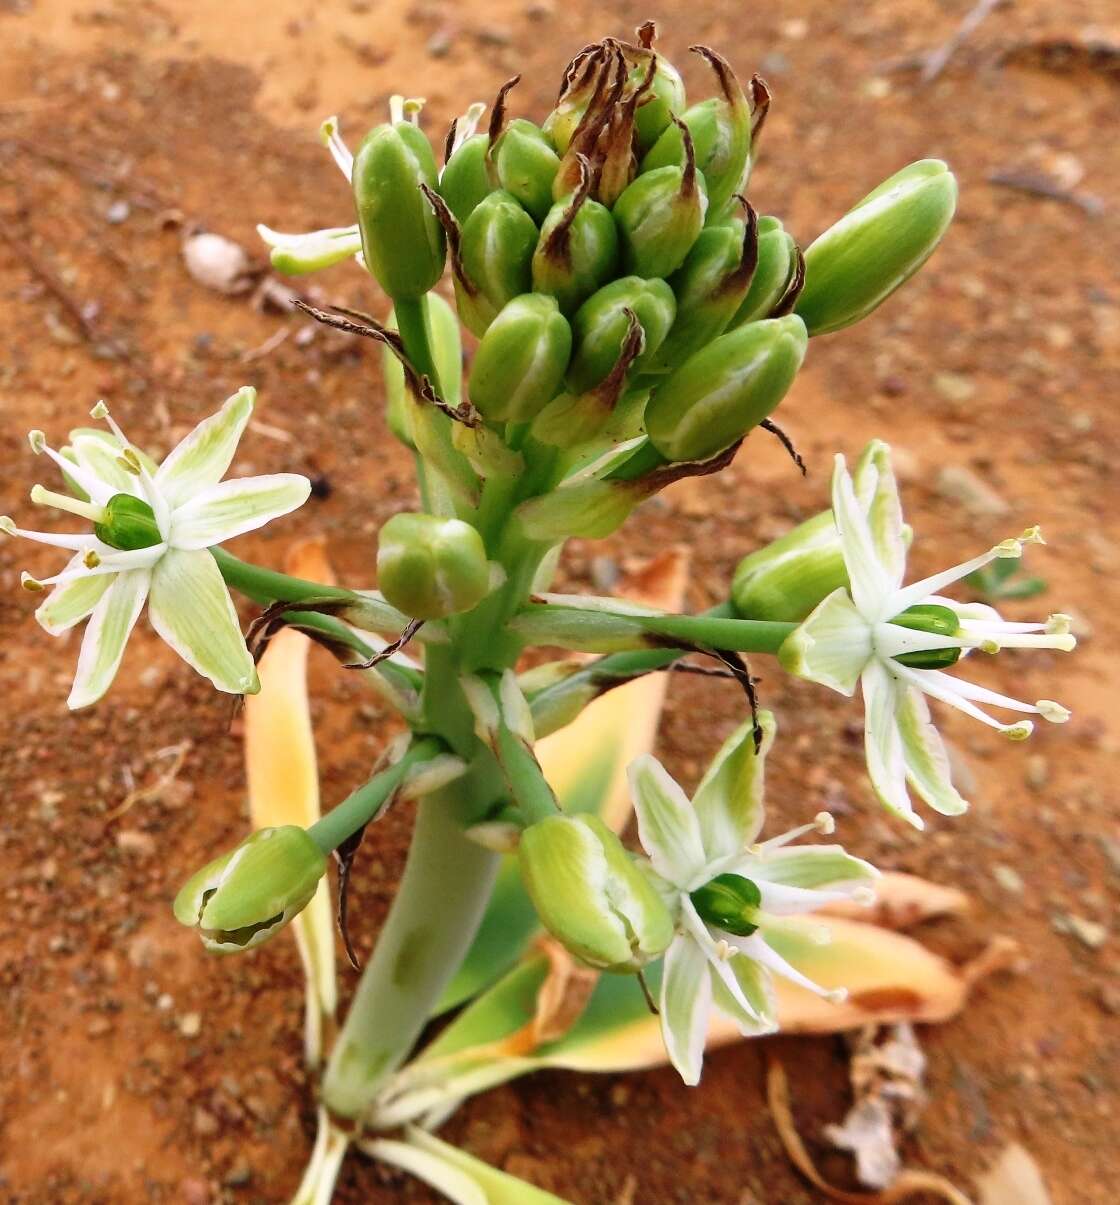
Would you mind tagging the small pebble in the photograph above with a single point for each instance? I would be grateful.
(190, 1025)
(1008, 878)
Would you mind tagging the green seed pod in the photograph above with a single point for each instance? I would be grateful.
(402, 241)
(721, 131)
(577, 250)
(729, 902)
(876, 247)
(429, 567)
(523, 162)
(785, 580)
(709, 287)
(129, 523)
(600, 326)
(465, 181)
(241, 899)
(777, 262)
(496, 248)
(521, 360)
(447, 351)
(590, 894)
(717, 395)
(660, 215)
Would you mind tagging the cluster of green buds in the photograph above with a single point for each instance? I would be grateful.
(634, 312)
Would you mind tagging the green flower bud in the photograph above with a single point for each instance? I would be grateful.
(660, 215)
(600, 326)
(877, 246)
(730, 902)
(717, 395)
(402, 241)
(241, 899)
(721, 131)
(785, 580)
(429, 567)
(447, 351)
(709, 287)
(523, 162)
(590, 894)
(465, 181)
(665, 98)
(777, 262)
(521, 360)
(577, 250)
(128, 523)
(583, 79)
(496, 249)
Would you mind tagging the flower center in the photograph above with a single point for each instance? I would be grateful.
(935, 620)
(128, 523)
(729, 902)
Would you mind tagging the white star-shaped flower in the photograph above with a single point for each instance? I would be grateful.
(728, 894)
(152, 531)
(892, 640)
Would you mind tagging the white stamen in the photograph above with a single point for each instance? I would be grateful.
(956, 692)
(396, 109)
(1054, 712)
(918, 591)
(32, 584)
(1018, 732)
(74, 542)
(100, 410)
(1059, 624)
(837, 995)
(37, 440)
(331, 138)
(822, 822)
(93, 486)
(86, 510)
(724, 951)
(412, 108)
(825, 823)
(134, 464)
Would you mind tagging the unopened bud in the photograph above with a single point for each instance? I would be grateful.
(709, 287)
(785, 580)
(402, 240)
(601, 324)
(465, 180)
(716, 396)
(241, 899)
(877, 246)
(665, 101)
(496, 253)
(523, 162)
(521, 360)
(590, 894)
(660, 215)
(577, 250)
(777, 261)
(721, 132)
(429, 567)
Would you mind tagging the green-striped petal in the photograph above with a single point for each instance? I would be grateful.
(927, 763)
(70, 602)
(106, 634)
(192, 611)
(201, 460)
(832, 646)
(686, 1004)
(728, 801)
(232, 508)
(667, 824)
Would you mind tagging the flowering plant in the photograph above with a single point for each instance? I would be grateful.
(637, 320)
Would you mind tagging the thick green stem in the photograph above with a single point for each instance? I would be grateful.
(412, 323)
(267, 586)
(359, 807)
(436, 911)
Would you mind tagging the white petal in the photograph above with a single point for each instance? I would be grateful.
(762, 952)
(98, 452)
(297, 254)
(884, 513)
(960, 693)
(232, 508)
(686, 1004)
(728, 801)
(106, 634)
(920, 591)
(201, 460)
(927, 763)
(831, 645)
(754, 986)
(667, 824)
(73, 600)
(870, 580)
(192, 611)
(718, 955)
(886, 765)
(809, 866)
(781, 899)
